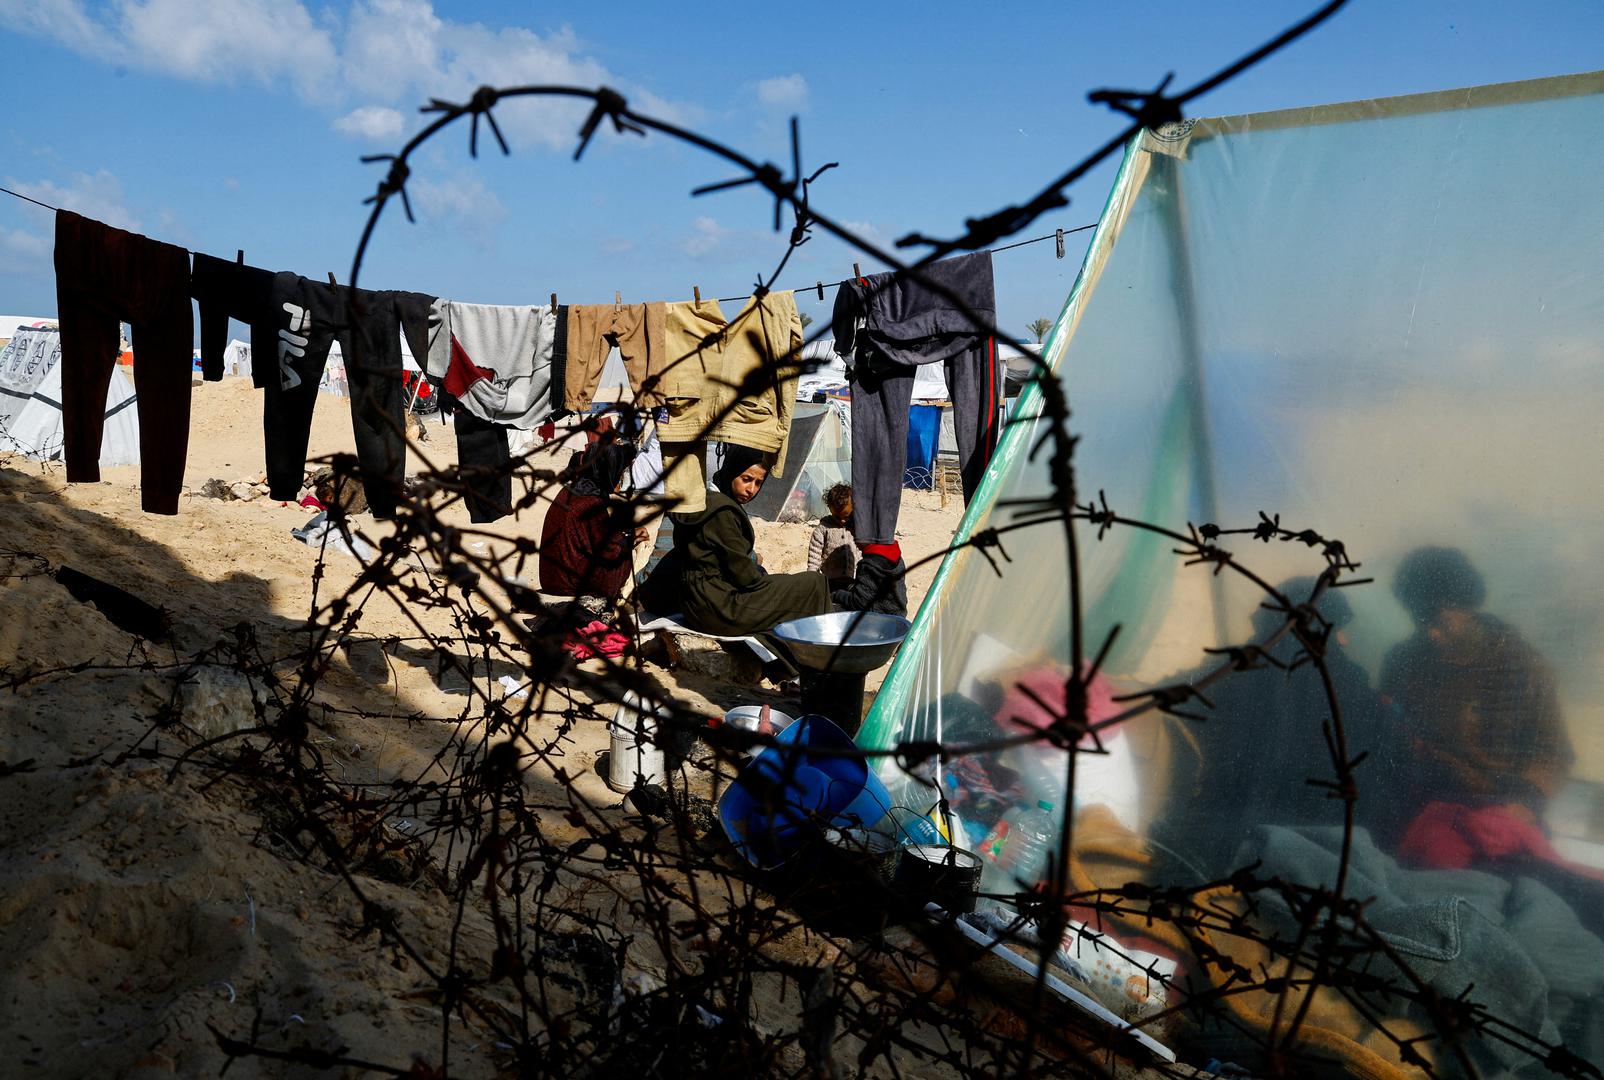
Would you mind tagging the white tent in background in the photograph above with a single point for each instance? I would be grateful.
(237, 358)
(10, 324)
(825, 369)
(35, 430)
(24, 362)
(614, 382)
(335, 380)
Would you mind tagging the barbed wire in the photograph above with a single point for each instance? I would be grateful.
(583, 941)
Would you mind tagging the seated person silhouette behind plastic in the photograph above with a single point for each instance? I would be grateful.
(1251, 762)
(1478, 703)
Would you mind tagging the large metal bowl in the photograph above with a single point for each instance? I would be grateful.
(843, 642)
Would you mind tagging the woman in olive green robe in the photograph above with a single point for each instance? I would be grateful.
(723, 590)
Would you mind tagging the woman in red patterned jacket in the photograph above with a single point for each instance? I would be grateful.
(588, 536)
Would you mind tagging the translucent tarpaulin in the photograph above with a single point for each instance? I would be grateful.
(818, 457)
(1381, 321)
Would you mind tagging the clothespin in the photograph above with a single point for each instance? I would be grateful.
(240, 258)
(820, 286)
(696, 290)
(554, 303)
(857, 272)
(618, 298)
(1060, 243)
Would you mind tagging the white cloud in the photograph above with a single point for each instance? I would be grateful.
(401, 50)
(371, 122)
(23, 252)
(98, 195)
(462, 200)
(783, 92)
(868, 230)
(226, 40)
(706, 235)
(65, 21)
(217, 41)
(380, 55)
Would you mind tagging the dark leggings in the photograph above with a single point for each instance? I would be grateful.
(105, 276)
(482, 458)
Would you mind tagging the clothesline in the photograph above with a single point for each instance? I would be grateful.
(820, 286)
(28, 198)
(1054, 235)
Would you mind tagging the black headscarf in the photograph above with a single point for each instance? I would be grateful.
(597, 470)
(737, 459)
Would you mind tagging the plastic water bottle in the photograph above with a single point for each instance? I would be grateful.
(1030, 842)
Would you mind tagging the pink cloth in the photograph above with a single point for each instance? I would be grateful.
(1037, 701)
(1448, 836)
(596, 639)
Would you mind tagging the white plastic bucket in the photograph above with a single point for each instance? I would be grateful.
(635, 755)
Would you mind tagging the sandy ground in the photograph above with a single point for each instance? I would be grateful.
(136, 908)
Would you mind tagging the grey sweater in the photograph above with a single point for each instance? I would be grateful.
(831, 550)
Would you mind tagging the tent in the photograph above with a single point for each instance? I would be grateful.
(24, 362)
(826, 370)
(10, 324)
(237, 360)
(1381, 321)
(818, 457)
(30, 403)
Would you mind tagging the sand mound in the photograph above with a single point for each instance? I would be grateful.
(139, 907)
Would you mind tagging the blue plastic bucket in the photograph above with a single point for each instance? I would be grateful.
(799, 786)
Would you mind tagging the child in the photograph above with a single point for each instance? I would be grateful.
(830, 550)
(879, 586)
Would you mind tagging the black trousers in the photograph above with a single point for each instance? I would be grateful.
(482, 465)
(312, 315)
(105, 276)
(880, 401)
(224, 290)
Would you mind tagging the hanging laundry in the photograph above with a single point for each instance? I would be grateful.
(104, 276)
(498, 360)
(312, 315)
(483, 458)
(731, 382)
(635, 330)
(886, 325)
(225, 290)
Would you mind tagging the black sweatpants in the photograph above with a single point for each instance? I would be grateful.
(880, 401)
(105, 276)
(311, 316)
(482, 457)
(224, 290)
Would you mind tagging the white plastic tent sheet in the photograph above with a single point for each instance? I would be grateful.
(30, 402)
(25, 360)
(1383, 322)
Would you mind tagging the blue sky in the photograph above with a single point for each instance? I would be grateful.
(227, 124)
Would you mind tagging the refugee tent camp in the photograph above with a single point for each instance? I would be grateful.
(1380, 321)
